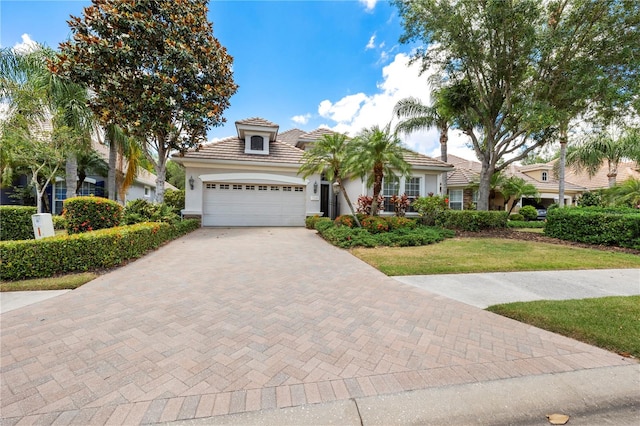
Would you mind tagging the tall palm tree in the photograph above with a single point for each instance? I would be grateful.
(331, 155)
(121, 148)
(416, 116)
(378, 152)
(604, 147)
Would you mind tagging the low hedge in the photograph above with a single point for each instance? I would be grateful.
(471, 220)
(84, 214)
(15, 223)
(87, 251)
(524, 224)
(346, 237)
(593, 225)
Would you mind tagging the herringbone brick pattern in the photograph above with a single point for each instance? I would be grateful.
(232, 320)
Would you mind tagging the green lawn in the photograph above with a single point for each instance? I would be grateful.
(611, 323)
(467, 255)
(64, 282)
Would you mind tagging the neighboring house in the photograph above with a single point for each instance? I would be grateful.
(252, 179)
(626, 170)
(467, 173)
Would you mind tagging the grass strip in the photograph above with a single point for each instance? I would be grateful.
(64, 282)
(611, 323)
(477, 255)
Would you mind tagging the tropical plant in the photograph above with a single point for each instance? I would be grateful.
(155, 65)
(516, 188)
(626, 194)
(331, 155)
(365, 201)
(378, 153)
(609, 146)
(415, 116)
(430, 207)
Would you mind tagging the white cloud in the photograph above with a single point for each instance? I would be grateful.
(369, 4)
(27, 45)
(301, 119)
(372, 42)
(352, 113)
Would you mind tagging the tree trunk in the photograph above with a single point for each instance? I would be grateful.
(378, 175)
(485, 185)
(161, 168)
(444, 139)
(562, 162)
(71, 172)
(346, 197)
(111, 177)
(613, 173)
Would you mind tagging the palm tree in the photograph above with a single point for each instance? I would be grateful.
(604, 147)
(516, 188)
(415, 116)
(378, 152)
(331, 155)
(121, 148)
(625, 194)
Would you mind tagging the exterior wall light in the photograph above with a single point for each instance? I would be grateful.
(315, 187)
(191, 182)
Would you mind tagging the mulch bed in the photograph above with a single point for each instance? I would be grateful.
(512, 234)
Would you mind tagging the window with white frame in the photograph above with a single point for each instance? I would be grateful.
(390, 187)
(455, 199)
(257, 143)
(147, 191)
(412, 190)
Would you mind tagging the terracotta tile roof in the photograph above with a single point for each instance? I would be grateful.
(232, 149)
(461, 177)
(291, 136)
(420, 160)
(316, 134)
(626, 170)
(463, 163)
(256, 121)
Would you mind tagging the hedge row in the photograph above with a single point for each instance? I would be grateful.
(105, 248)
(595, 226)
(15, 223)
(471, 220)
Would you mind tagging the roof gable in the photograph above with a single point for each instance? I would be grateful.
(233, 149)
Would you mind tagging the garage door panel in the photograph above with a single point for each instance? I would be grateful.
(253, 205)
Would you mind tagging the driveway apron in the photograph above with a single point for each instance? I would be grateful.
(236, 320)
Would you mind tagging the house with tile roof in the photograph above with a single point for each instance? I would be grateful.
(466, 173)
(251, 179)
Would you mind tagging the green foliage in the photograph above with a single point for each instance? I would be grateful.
(86, 251)
(15, 223)
(140, 210)
(345, 220)
(430, 207)
(524, 224)
(84, 214)
(324, 224)
(472, 220)
(310, 221)
(175, 199)
(528, 212)
(516, 217)
(59, 222)
(345, 237)
(592, 225)
(396, 222)
(375, 224)
(591, 199)
(175, 175)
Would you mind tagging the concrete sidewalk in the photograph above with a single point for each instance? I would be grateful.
(11, 300)
(247, 321)
(483, 290)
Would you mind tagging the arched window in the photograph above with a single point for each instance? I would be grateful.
(257, 143)
(544, 176)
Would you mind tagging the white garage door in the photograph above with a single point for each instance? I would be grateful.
(249, 204)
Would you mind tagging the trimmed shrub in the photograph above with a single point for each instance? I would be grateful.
(430, 207)
(345, 237)
(346, 220)
(324, 223)
(140, 210)
(85, 251)
(375, 224)
(529, 213)
(15, 223)
(59, 222)
(593, 225)
(175, 199)
(472, 220)
(310, 221)
(516, 217)
(591, 199)
(524, 224)
(84, 214)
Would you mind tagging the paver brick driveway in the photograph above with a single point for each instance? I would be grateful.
(233, 320)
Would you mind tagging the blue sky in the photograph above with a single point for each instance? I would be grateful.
(301, 64)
